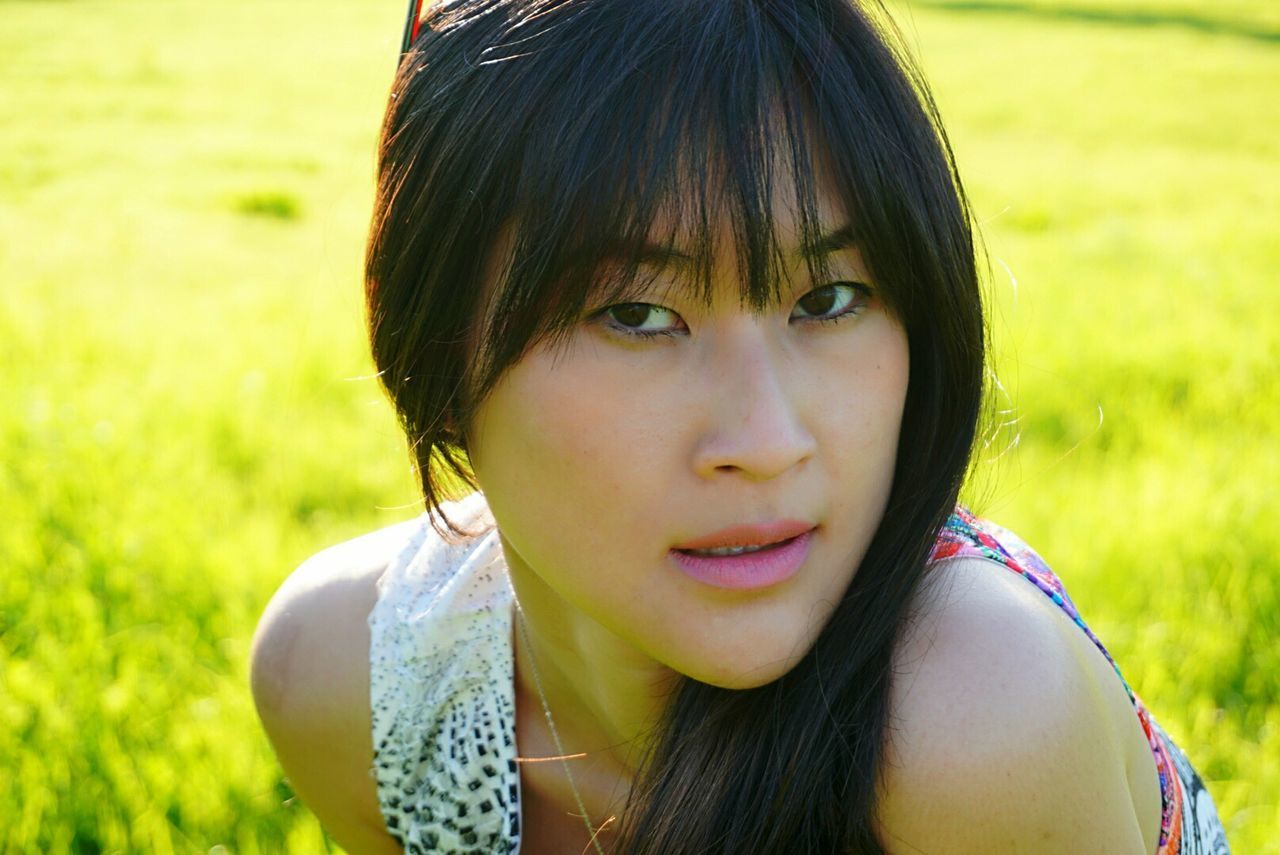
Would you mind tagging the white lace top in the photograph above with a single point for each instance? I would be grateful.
(442, 693)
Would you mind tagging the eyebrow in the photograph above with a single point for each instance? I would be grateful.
(843, 237)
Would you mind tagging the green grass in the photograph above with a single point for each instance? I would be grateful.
(186, 409)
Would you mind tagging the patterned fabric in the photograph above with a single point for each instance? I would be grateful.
(1189, 823)
(443, 700)
(442, 693)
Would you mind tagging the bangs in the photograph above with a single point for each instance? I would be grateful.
(651, 187)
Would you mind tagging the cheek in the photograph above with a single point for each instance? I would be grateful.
(564, 465)
(576, 428)
(865, 416)
(556, 438)
(861, 442)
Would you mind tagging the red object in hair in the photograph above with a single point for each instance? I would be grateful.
(412, 26)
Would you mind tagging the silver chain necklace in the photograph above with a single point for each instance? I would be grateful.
(546, 708)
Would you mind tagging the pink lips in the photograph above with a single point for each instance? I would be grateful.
(749, 570)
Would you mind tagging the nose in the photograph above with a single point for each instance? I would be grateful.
(755, 426)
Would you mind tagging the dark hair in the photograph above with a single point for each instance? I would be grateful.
(526, 141)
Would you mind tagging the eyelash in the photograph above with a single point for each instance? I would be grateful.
(855, 308)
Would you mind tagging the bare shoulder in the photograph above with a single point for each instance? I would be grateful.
(1002, 738)
(309, 669)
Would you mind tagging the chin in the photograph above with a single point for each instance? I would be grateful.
(749, 675)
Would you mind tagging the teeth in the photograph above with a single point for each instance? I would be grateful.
(730, 550)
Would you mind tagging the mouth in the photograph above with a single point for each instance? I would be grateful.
(743, 539)
(725, 551)
(746, 566)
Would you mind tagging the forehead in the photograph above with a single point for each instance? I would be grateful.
(711, 221)
(796, 222)
(714, 229)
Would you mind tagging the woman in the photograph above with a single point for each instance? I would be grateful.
(683, 294)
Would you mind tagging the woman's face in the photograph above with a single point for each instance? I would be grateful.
(600, 457)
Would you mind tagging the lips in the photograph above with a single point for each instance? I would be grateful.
(752, 570)
(758, 534)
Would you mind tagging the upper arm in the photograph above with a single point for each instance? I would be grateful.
(310, 680)
(999, 742)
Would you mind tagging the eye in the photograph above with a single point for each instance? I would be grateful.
(630, 318)
(834, 302)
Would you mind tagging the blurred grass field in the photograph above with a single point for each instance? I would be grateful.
(186, 407)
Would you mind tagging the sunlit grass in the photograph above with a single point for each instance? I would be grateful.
(186, 409)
